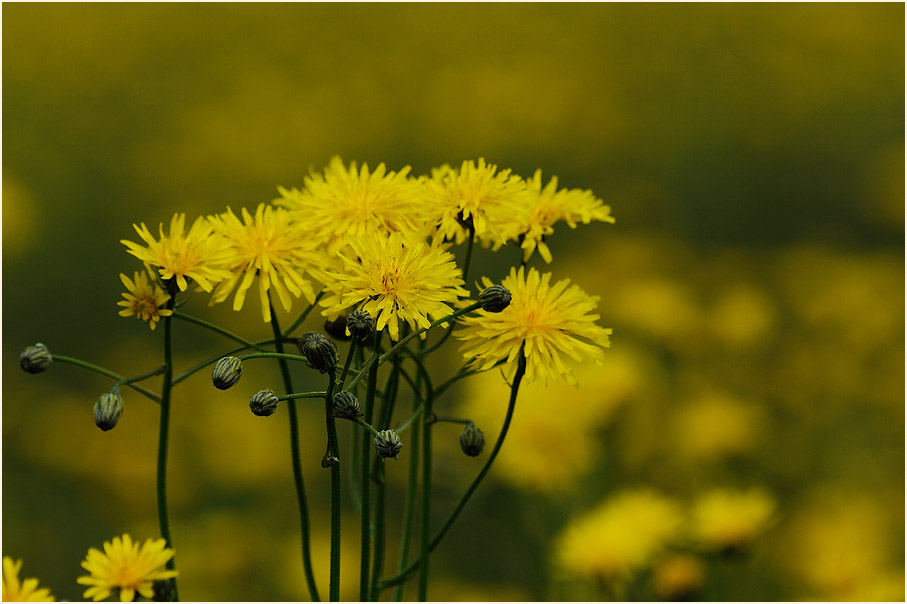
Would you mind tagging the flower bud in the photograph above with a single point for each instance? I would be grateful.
(360, 325)
(388, 444)
(495, 298)
(319, 351)
(107, 410)
(263, 403)
(329, 461)
(226, 373)
(35, 359)
(346, 405)
(472, 441)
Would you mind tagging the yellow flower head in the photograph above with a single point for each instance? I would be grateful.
(126, 568)
(197, 254)
(619, 537)
(393, 279)
(551, 205)
(143, 299)
(27, 590)
(268, 245)
(345, 201)
(551, 320)
(726, 519)
(495, 203)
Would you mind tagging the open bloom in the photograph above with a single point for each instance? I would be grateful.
(725, 519)
(393, 279)
(125, 568)
(550, 320)
(354, 201)
(270, 246)
(197, 254)
(24, 591)
(143, 299)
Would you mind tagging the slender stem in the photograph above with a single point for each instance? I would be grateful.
(295, 395)
(409, 421)
(302, 501)
(115, 376)
(450, 420)
(273, 355)
(163, 439)
(302, 317)
(366, 527)
(349, 359)
(334, 450)
(202, 323)
(426, 501)
(514, 389)
(462, 372)
(215, 359)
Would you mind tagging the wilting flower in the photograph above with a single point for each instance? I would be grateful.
(550, 320)
(125, 568)
(143, 299)
(24, 591)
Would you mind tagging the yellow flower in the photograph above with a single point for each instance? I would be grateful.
(353, 201)
(196, 255)
(551, 320)
(550, 206)
(143, 300)
(27, 590)
(727, 519)
(619, 537)
(269, 246)
(126, 568)
(393, 279)
(491, 201)
(677, 578)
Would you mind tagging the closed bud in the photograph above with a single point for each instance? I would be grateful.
(472, 441)
(226, 373)
(35, 359)
(107, 410)
(263, 403)
(346, 405)
(329, 461)
(360, 325)
(388, 444)
(319, 351)
(495, 298)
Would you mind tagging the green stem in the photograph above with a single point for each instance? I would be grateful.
(163, 439)
(349, 359)
(214, 328)
(366, 527)
(426, 501)
(450, 420)
(105, 372)
(334, 450)
(295, 395)
(274, 355)
(514, 389)
(215, 359)
(302, 500)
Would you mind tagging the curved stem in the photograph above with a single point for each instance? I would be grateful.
(298, 480)
(295, 395)
(163, 440)
(215, 359)
(274, 355)
(105, 372)
(214, 328)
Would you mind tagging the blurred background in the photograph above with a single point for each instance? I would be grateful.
(753, 156)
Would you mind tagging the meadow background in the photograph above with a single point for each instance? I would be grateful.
(753, 156)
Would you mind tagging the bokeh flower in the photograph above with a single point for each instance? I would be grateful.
(196, 254)
(394, 279)
(270, 246)
(551, 320)
(21, 591)
(725, 519)
(125, 568)
(143, 299)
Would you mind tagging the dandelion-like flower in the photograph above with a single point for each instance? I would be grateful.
(394, 279)
(730, 520)
(552, 321)
(21, 591)
(551, 205)
(125, 568)
(355, 201)
(143, 299)
(196, 254)
(480, 195)
(270, 246)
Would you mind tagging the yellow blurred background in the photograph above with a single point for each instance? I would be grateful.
(753, 156)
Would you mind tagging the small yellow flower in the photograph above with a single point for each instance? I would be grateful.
(143, 300)
(27, 590)
(270, 246)
(551, 320)
(725, 519)
(126, 568)
(197, 254)
(393, 279)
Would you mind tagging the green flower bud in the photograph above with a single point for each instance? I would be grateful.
(263, 403)
(107, 410)
(472, 441)
(495, 298)
(346, 405)
(360, 325)
(226, 373)
(35, 359)
(319, 351)
(388, 444)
